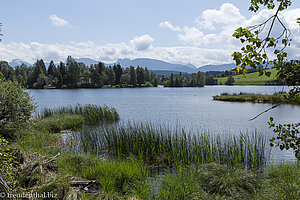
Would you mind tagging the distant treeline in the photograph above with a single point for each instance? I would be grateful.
(72, 74)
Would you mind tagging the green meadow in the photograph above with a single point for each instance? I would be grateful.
(251, 78)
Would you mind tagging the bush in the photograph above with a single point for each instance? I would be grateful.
(16, 107)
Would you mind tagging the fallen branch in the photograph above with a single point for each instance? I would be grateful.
(52, 159)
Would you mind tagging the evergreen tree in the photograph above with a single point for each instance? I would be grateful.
(140, 76)
(133, 80)
(111, 76)
(177, 83)
(51, 68)
(118, 72)
(172, 80)
(147, 74)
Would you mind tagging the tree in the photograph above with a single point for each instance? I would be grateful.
(118, 72)
(209, 80)
(73, 70)
(16, 107)
(259, 41)
(172, 80)
(111, 75)
(200, 79)
(229, 81)
(133, 80)
(147, 74)
(140, 76)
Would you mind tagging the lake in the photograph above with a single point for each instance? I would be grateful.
(192, 108)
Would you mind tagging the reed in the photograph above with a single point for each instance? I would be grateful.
(92, 114)
(163, 146)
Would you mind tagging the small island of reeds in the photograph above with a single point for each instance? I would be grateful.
(276, 98)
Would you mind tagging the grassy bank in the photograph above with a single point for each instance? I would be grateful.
(251, 79)
(192, 166)
(259, 98)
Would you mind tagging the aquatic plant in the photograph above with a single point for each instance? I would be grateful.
(92, 114)
(166, 147)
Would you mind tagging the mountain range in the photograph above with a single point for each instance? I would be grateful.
(17, 62)
(151, 64)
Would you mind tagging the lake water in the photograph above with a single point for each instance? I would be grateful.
(192, 108)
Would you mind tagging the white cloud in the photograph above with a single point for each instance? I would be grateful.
(168, 25)
(142, 43)
(193, 36)
(59, 22)
(217, 26)
(228, 14)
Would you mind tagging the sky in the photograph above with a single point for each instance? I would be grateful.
(176, 31)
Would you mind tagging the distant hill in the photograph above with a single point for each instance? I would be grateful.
(87, 61)
(153, 64)
(18, 62)
(222, 67)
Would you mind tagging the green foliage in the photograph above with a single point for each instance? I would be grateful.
(269, 4)
(229, 81)
(77, 75)
(190, 80)
(6, 161)
(16, 107)
(288, 136)
(209, 80)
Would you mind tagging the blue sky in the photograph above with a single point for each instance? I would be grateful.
(191, 31)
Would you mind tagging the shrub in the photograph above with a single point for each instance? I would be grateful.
(16, 107)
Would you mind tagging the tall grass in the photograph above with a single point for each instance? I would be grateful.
(210, 181)
(166, 147)
(92, 114)
(123, 177)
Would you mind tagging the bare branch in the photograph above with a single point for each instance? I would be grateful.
(275, 106)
